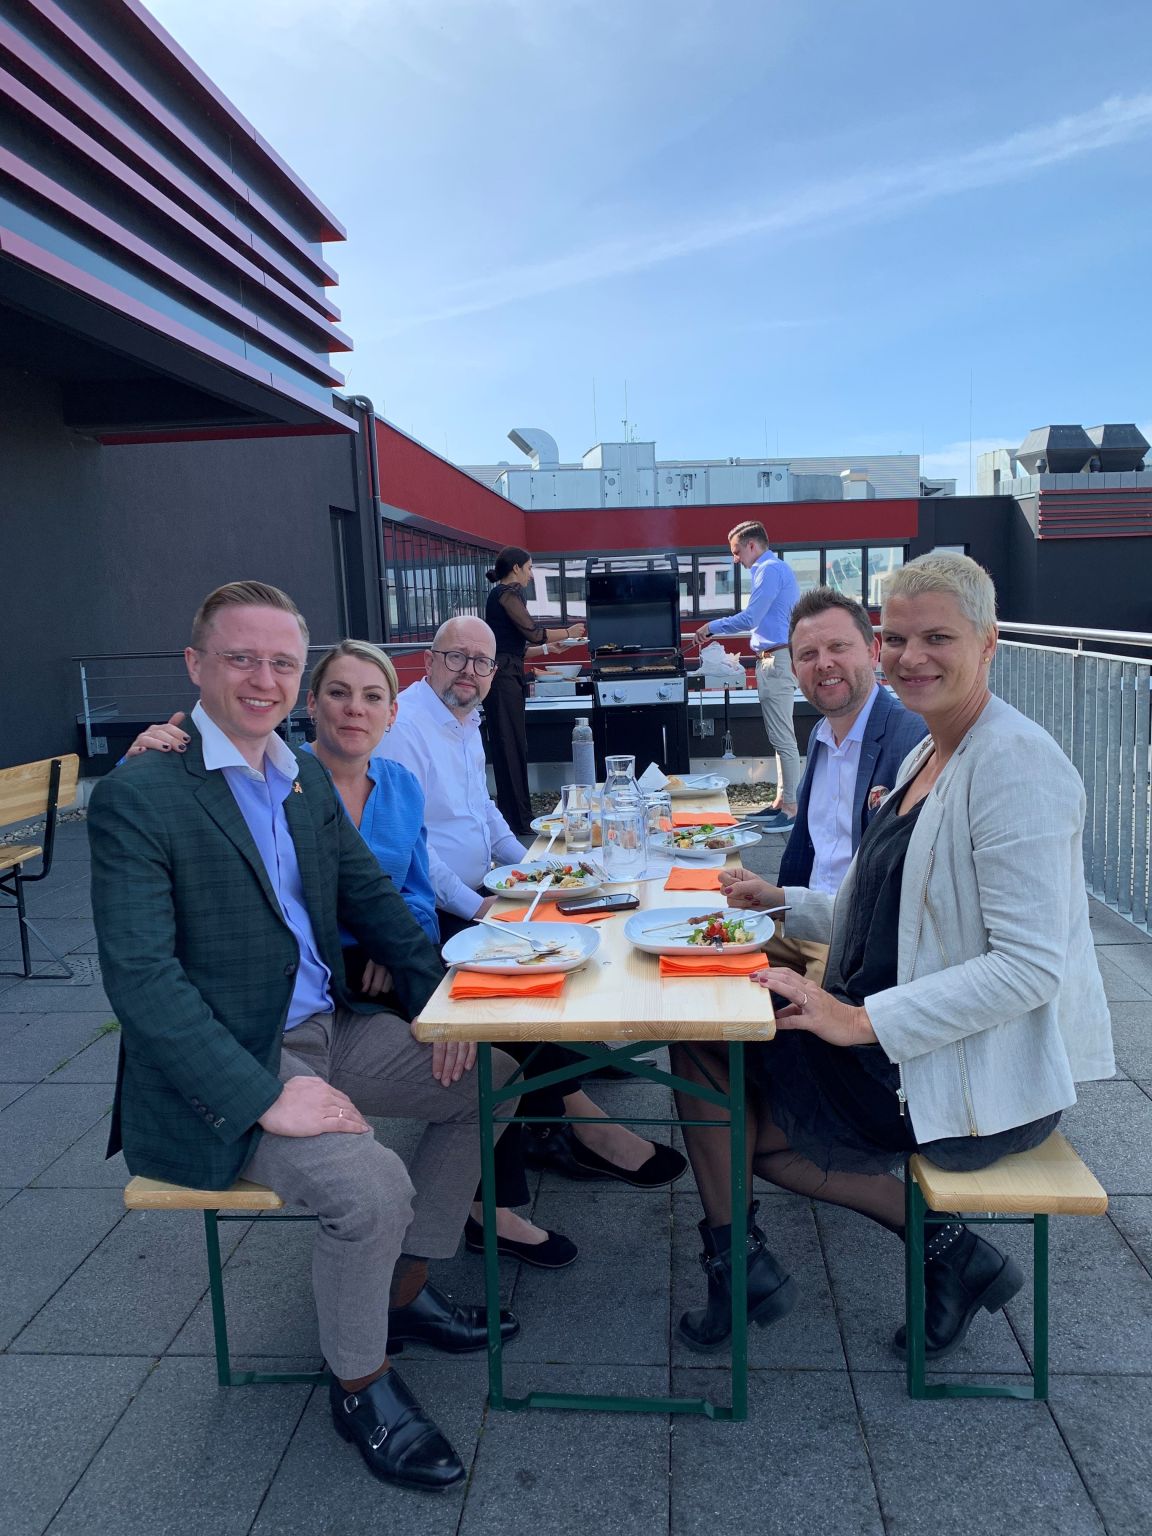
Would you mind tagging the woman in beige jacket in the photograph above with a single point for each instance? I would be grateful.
(962, 999)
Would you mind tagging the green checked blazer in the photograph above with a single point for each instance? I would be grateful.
(199, 964)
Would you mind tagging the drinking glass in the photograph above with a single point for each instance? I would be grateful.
(576, 809)
(658, 812)
(624, 853)
(620, 779)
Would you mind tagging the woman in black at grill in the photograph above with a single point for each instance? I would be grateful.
(517, 634)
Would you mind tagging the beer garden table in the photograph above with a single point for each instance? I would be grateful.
(615, 1010)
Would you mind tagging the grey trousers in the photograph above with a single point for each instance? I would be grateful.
(369, 1206)
(776, 687)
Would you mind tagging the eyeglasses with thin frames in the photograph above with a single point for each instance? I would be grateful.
(456, 661)
(244, 661)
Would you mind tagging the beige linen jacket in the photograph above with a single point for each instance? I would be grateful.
(999, 1008)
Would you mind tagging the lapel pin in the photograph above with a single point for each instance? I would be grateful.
(296, 790)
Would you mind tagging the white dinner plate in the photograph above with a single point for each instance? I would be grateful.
(467, 948)
(735, 839)
(692, 784)
(524, 890)
(544, 826)
(637, 930)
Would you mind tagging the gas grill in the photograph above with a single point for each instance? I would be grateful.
(640, 691)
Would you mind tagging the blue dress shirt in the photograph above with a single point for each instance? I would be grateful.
(772, 597)
(393, 827)
(261, 797)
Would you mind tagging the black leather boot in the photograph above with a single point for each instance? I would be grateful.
(962, 1273)
(771, 1293)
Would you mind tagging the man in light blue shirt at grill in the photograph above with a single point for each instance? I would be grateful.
(773, 593)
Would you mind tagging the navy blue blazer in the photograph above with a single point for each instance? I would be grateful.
(891, 733)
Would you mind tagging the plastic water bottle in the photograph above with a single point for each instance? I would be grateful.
(583, 753)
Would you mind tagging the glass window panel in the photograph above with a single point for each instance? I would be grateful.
(717, 584)
(543, 597)
(805, 566)
(845, 571)
(881, 564)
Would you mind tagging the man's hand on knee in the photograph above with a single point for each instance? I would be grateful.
(308, 1106)
(451, 1059)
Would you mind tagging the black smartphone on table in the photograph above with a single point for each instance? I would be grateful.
(574, 905)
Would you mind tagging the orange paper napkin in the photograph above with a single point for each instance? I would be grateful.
(703, 818)
(712, 965)
(546, 913)
(467, 984)
(693, 880)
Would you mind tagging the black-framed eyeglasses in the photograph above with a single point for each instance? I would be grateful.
(244, 661)
(456, 661)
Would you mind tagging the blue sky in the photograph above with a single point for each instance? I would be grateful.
(824, 226)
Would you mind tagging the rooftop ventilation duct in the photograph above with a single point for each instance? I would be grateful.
(540, 446)
(1064, 450)
(1119, 446)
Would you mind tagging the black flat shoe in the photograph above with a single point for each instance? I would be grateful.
(563, 1152)
(969, 1275)
(771, 1293)
(396, 1438)
(432, 1319)
(556, 1252)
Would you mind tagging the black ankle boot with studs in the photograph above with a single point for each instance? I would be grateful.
(962, 1273)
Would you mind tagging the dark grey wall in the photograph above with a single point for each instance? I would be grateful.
(111, 549)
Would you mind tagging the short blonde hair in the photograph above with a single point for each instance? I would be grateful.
(362, 650)
(944, 570)
(242, 594)
(750, 530)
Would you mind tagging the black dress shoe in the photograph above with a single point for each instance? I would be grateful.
(555, 1252)
(432, 1319)
(969, 1274)
(771, 1293)
(396, 1438)
(562, 1151)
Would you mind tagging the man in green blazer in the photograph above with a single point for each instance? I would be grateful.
(220, 880)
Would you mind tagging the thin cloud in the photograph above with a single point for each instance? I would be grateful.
(867, 194)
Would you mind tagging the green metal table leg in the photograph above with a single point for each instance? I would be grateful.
(914, 1301)
(488, 1201)
(739, 1230)
(216, 1290)
(1040, 1307)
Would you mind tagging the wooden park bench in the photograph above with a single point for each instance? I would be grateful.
(26, 791)
(243, 1202)
(1024, 1189)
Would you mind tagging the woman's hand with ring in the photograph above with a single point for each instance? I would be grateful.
(817, 1011)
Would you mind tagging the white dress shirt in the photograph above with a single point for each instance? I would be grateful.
(830, 801)
(466, 833)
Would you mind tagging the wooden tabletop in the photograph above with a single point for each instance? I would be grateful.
(618, 995)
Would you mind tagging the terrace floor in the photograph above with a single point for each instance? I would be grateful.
(111, 1420)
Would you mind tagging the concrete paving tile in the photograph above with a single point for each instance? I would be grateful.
(1119, 985)
(59, 997)
(970, 1468)
(209, 1453)
(10, 1092)
(86, 1164)
(54, 1414)
(7, 1194)
(798, 1464)
(11, 1023)
(1132, 1038)
(1132, 1215)
(267, 1291)
(322, 1485)
(866, 1265)
(96, 1063)
(49, 1041)
(64, 934)
(541, 1471)
(1135, 960)
(808, 1338)
(1110, 1126)
(1100, 1298)
(1110, 927)
(47, 1234)
(1105, 1423)
(66, 893)
(611, 1306)
(134, 1291)
(43, 1123)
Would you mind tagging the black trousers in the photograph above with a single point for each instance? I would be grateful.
(511, 1180)
(504, 717)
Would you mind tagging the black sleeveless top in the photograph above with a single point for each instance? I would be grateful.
(506, 614)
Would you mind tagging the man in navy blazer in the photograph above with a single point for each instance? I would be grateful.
(853, 758)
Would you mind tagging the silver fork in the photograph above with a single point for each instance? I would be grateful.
(509, 931)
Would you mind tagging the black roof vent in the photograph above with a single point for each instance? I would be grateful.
(1064, 450)
(1119, 446)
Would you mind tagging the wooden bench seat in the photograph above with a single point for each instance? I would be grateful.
(18, 853)
(28, 791)
(155, 1195)
(1024, 1188)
